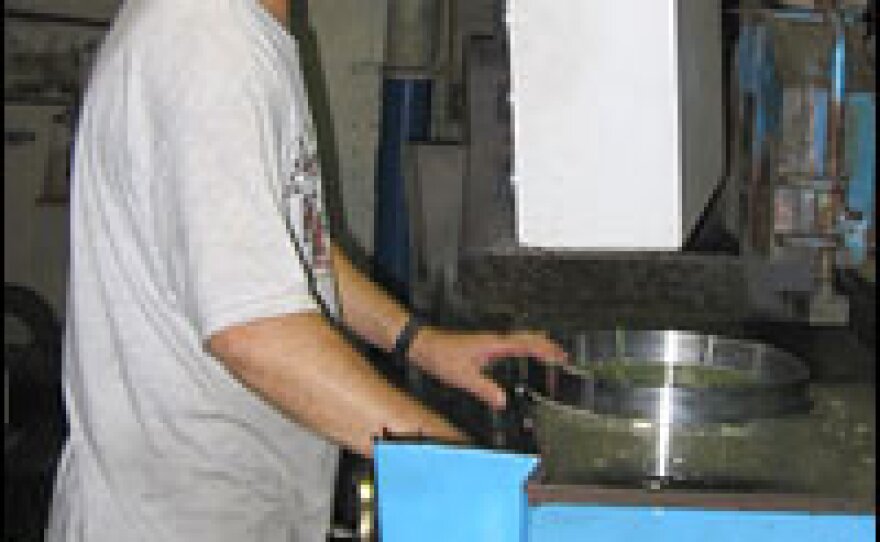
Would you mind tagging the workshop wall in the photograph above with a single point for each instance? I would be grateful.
(97, 9)
(349, 43)
(48, 50)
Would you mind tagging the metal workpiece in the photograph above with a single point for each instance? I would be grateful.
(681, 411)
(677, 377)
(828, 452)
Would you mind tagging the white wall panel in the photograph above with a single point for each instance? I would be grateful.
(597, 97)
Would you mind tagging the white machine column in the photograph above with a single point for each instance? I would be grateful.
(617, 116)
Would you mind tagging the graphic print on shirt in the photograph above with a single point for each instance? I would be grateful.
(307, 218)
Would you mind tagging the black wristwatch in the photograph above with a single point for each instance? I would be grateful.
(406, 337)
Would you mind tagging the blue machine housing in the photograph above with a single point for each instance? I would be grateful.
(441, 493)
(429, 493)
(636, 523)
(406, 108)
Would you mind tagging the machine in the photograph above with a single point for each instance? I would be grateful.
(704, 163)
(650, 435)
(682, 194)
(490, 496)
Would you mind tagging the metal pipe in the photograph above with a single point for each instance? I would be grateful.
(834, 160)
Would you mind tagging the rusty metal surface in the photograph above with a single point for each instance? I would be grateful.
(540, 493)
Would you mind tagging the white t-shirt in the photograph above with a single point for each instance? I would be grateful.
(193, 149)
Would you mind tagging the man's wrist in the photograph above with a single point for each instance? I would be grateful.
(422, 345)
(403, 343)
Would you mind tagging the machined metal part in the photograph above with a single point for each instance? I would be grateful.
(767, 382)
(662, 407)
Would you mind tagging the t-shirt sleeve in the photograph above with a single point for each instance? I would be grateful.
(228, 252)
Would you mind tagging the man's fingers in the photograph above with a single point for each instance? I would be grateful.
(542, 348)
(487, 391)
(526, 344)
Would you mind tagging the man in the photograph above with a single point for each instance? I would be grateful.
(206, 392)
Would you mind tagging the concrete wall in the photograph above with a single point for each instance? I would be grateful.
(46, 66)
(350, 40)
(97, 9)
(35, 218)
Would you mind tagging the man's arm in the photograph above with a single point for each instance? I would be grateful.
(366, 309)
(305, 368)
(457, 359)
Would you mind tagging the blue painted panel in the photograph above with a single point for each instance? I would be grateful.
(861, 158)
(636, 524)
(757, 78)
(820, 128)
(431, 493)
(406, 108)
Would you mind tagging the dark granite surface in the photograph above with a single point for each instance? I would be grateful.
(582, 291)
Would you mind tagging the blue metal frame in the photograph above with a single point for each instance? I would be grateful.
(861, 159)
(433, 493)
(406, 110)
(442, 493)
(635, 524)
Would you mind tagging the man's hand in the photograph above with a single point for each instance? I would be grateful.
(459, 359)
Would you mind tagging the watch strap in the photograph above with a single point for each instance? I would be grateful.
(406, 337)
